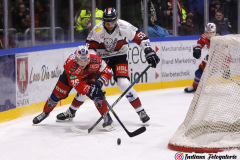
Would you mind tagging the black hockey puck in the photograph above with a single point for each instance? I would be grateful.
(118, 141)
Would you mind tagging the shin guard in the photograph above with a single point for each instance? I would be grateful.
(101, 106)
(49, 105)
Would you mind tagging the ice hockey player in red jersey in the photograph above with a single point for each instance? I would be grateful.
(109, 40)
(210, 31)
(86, 73)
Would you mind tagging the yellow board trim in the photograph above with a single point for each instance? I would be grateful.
(38, 107)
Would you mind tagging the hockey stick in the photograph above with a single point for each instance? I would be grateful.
(130, 134)
(78, 130)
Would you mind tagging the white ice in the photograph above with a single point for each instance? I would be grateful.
(51, 140)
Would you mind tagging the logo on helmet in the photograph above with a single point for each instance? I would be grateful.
(210, 27)
(110, 15)
(82, 56)
(82, 52)
(210, 30)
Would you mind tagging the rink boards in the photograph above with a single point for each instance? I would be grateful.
(28, 75)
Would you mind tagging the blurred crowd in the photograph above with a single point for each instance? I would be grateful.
(190, 18)
(190, 15)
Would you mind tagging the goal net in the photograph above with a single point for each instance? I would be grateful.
(212, 123)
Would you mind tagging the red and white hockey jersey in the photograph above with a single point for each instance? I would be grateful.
(203, 41)
(79, 78)
(107, 45)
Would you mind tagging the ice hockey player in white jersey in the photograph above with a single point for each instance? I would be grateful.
(109, 40)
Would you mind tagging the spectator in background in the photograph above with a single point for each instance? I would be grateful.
(155, 30)
(230, 10)
(188, 28)
(222, 24)
(152, 9)
(44, 16)
(184, 15)
(12, 11)
(184, 12)
(161, 10)
(215, 6)
(45, 20)
(83, 22)
(37, 10)
(21, 15)
(197, 8)
(25, 23)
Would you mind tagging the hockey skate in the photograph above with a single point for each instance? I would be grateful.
(143, 116)
(40, 117)
(68, 115)
(108, 123)
(189, 89)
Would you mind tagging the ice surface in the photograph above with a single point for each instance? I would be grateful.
(51, 140)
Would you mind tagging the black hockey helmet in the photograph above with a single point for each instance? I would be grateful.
(110, 14)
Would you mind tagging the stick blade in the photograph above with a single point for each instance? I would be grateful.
(79, 131)
(137, 132)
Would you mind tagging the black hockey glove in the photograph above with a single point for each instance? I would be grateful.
(99, 82)
(197, 52)
(151, 57)
(95, 92)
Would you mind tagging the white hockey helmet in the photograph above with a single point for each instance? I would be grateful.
(210, 27)
(82, 55)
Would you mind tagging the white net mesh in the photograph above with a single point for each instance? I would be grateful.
(213, 119)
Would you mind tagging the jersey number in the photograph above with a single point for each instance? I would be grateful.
(74, 82)
(141, 35)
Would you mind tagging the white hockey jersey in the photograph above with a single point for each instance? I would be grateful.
(116, 43)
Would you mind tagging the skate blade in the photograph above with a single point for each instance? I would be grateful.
(66, 120)
(109, 128)
(146, 124)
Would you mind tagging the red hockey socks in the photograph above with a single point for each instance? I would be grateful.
(76, 104)
(101, 106)
(137, 105)
(49, 106)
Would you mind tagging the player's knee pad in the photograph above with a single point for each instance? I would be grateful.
(80, 97)
(123, 84)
